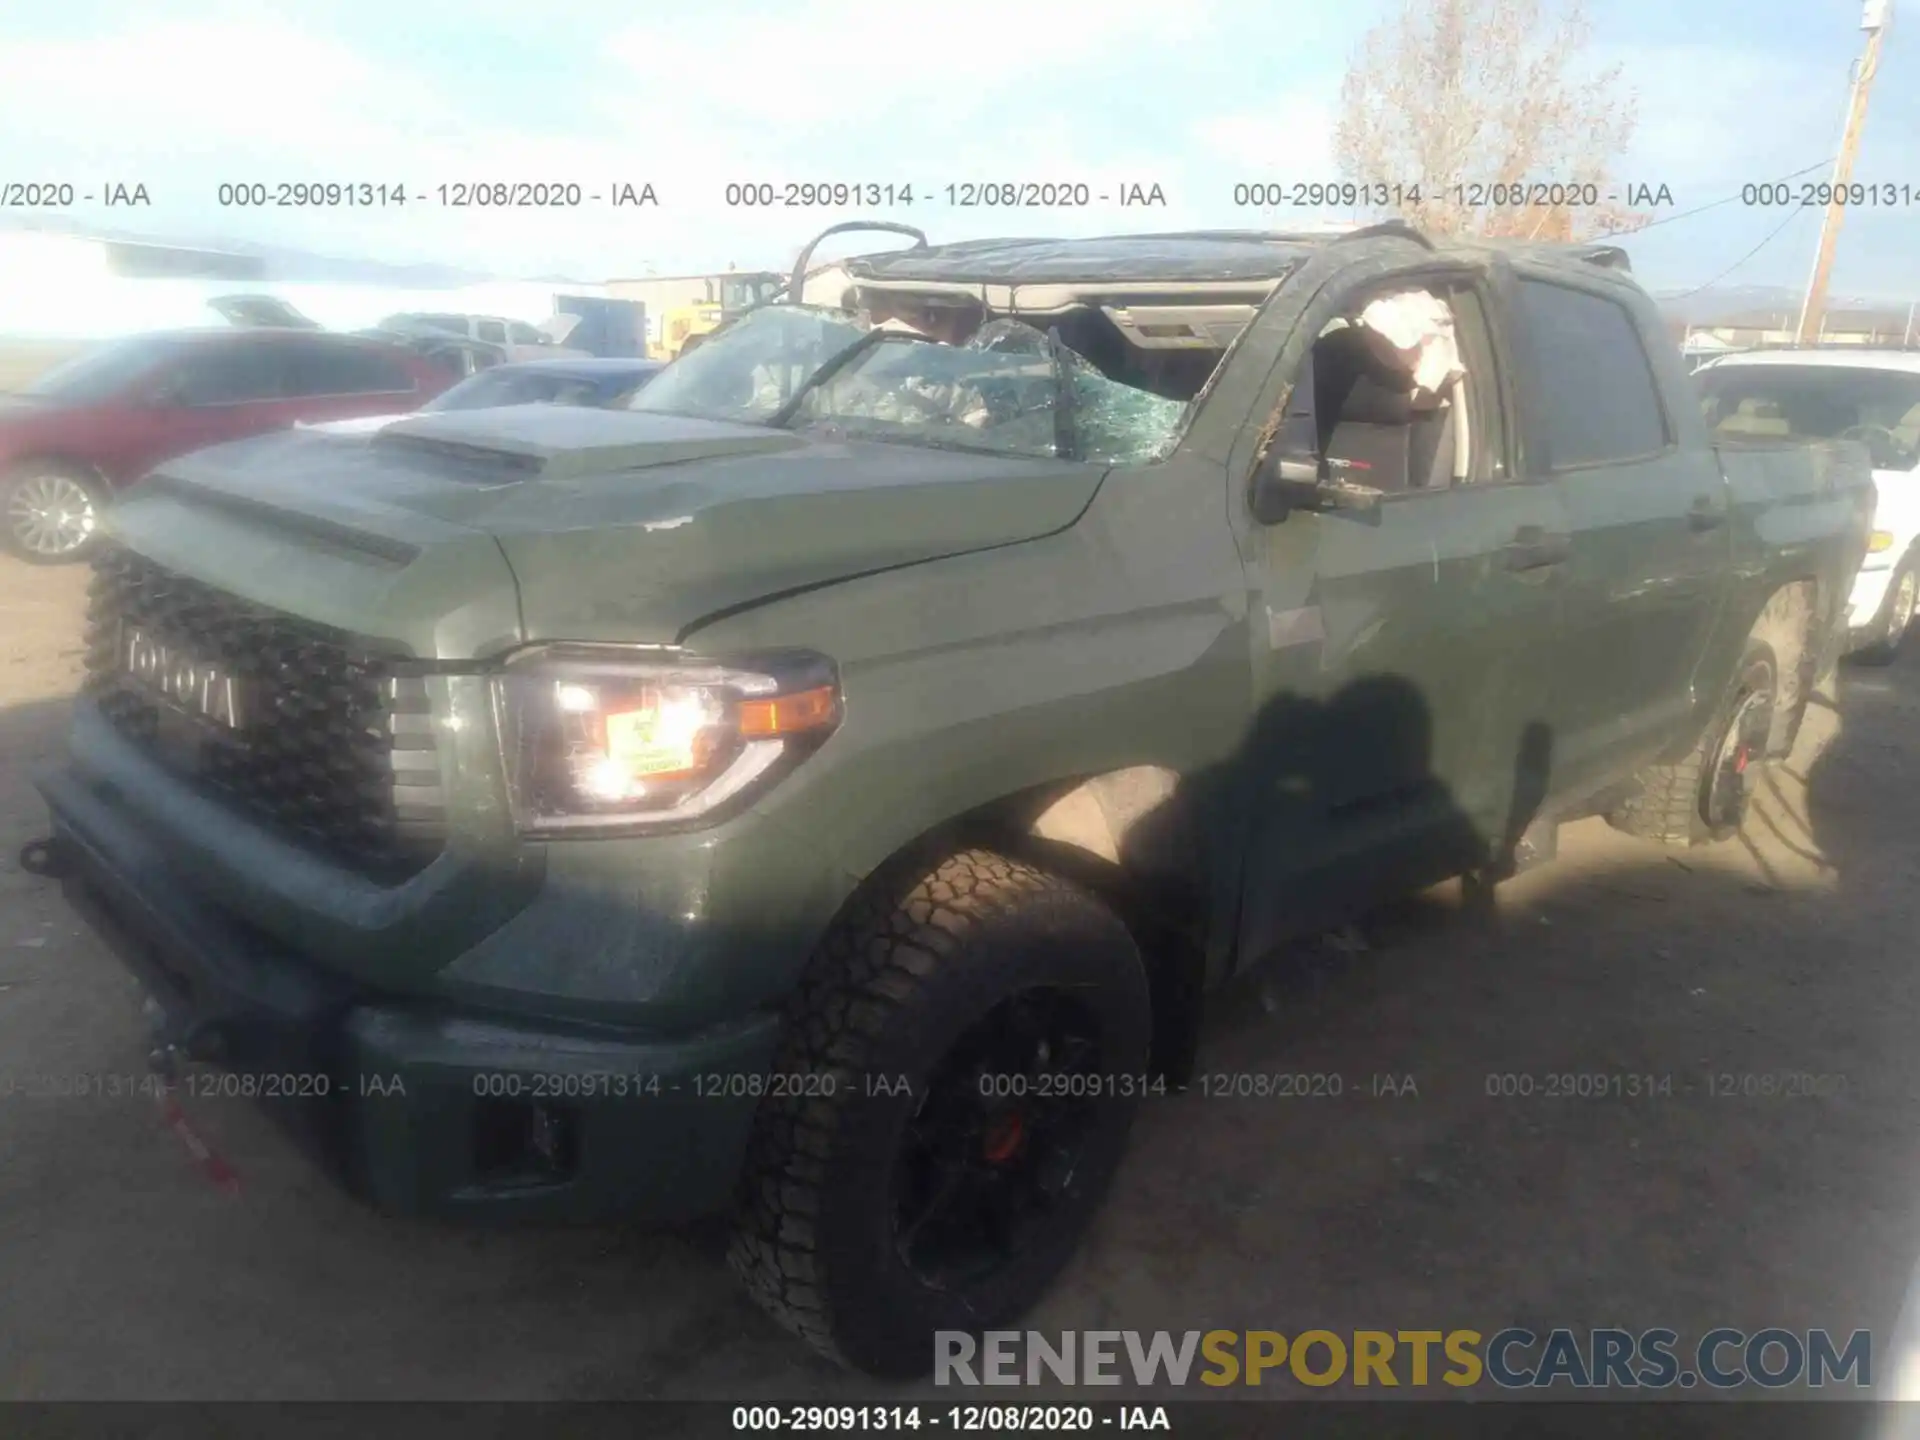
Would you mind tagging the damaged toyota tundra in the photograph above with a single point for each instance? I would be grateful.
(827, 790)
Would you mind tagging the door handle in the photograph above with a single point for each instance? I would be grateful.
(1706, 513)
(1534, 548)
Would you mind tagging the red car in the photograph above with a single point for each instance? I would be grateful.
(100, 422)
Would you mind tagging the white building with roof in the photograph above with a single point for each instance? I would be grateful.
(57, 286)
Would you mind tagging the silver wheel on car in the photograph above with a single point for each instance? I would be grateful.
(50, 515)
(1904, 595)
(1903, 598)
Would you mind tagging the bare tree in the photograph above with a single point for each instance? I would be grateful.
(1484, 107)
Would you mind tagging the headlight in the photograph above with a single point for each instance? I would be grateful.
(600, 738)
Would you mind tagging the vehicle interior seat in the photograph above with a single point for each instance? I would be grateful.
(1760, 419)
(1371, 429)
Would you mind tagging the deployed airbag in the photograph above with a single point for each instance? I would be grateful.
(1419, 325)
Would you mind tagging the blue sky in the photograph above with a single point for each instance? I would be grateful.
(1193, 95)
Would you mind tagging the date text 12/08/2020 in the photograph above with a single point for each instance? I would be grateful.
(824, 1084)
(1473, 195)
(1063, 194)
(196, 1084)
(962, 1419)
(459, 195)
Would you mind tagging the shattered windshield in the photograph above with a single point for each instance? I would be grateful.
(1011, 389)
(747, 371)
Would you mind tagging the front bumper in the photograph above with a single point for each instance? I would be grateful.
(421, 1106)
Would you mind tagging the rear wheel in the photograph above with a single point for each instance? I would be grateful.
(1895, 618)
(1704, 797)
(49, 513)
(960, 1073)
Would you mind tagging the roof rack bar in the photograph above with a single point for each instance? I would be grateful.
(1610, 257)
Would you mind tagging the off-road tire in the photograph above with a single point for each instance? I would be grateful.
(1886, 648)
(897, 982)
(1668, 803)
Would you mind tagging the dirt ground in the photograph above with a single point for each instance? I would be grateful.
(130, 1275)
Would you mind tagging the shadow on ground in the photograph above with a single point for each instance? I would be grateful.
(1444, 1204)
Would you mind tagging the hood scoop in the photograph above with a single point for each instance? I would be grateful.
(559, 442)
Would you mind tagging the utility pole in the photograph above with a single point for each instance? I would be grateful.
(1873, 20)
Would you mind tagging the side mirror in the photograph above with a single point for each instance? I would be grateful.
(1289, 479)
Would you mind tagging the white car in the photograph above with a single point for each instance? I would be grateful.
(1871, 396)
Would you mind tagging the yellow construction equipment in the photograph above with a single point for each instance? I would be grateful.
(682, 310)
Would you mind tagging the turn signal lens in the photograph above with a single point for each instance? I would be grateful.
(1878, 541)
(791, 714)
(600, 738)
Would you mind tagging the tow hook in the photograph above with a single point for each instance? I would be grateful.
(48, 858)
(175, 1047)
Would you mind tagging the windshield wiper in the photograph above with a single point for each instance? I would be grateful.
(781, 418)
(923, 440)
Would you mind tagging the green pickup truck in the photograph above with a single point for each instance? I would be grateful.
(827, 789)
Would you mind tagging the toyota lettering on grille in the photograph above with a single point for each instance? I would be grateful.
(184, 680)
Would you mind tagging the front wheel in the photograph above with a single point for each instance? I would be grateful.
(1704, 797)
(49, 513)
(961, 1069)
(1896, 617)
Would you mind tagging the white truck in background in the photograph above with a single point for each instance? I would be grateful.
(516, 339)
(1869, 396)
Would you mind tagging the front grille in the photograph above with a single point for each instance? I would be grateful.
(283, 719)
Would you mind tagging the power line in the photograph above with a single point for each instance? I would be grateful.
(1728, 199)
(1772, 235)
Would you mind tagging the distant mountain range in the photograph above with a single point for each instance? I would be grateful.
(1715, 306)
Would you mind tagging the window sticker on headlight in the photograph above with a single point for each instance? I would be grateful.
(593, 739)
(665, 738)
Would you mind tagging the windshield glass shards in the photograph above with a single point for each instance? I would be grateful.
(1114, 423)
(1009, 389)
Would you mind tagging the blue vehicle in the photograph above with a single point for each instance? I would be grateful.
(595, 382)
